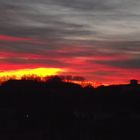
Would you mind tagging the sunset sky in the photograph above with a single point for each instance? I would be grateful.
(96, 39)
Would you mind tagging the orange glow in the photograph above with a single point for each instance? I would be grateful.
(39, 72)
(42, 73)
(94, 84)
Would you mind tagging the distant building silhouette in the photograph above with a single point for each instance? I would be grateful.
(133, 82)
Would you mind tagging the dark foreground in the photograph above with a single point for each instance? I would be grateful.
(31, 110)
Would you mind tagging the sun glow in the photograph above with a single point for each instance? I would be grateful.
(42, 74)
(39, 72)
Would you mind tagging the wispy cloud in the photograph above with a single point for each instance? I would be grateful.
(94, 38)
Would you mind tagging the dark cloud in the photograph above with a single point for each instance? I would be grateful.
(86, 5)
(127, 64)
(47, 62)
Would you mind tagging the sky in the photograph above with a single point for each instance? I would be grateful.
(96, 39)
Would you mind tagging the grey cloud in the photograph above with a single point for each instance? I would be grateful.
(47, 62)
(102, 20)
(127, 64)
(36, 21)
(114, 47)
(86, 5)
(93, 49)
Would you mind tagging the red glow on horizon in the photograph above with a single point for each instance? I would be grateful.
(75, 61)
(43, 73)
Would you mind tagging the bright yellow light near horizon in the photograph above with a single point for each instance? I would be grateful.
(41, 72)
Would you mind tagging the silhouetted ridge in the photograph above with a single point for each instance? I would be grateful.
(64, 110)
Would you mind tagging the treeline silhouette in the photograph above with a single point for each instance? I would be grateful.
(58, 110)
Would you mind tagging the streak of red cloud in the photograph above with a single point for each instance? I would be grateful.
(15, 54)
(7, 66)
(79, 61)
(21, 39)
(12, 38)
